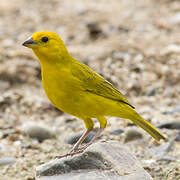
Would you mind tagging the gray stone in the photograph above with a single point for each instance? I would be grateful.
(159, 152)
(117, 132)
(176, 110)
(170, 125)
(110, 161)
(37, 131)
(121, 55)
(177, 138)
(6, 132)
(151, 92)
(7, 161)
(86, 175)
(132, 134)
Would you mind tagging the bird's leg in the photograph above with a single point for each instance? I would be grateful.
(98, 133)
(76, 150)
(79, 142)
(102, 120)
(81, 149)
(89, 126)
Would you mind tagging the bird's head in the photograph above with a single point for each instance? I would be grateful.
(46, 44)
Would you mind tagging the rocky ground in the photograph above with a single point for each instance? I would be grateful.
(133, 44)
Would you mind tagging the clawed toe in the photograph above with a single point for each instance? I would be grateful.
(71, 153)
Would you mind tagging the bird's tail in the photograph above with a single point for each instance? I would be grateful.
(150, 129)
(139, 121)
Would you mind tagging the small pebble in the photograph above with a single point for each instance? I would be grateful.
(170, 125)
(94, 30)
(151, 92)
(7, 161)
(160, 151)
(167, 158)
(117, 132)
(132, 134)
(7, 132)
(37, 131)
(177, 138)
(176, 110)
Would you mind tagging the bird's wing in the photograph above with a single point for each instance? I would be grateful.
(96, 84)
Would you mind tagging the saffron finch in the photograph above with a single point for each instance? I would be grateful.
(76, 89)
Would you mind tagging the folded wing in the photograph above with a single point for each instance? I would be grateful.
(96, 84)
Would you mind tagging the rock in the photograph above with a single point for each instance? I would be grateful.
(110, 161)
(172, 48)
(159, 152)
(7, 132)
(151, 92)
(37, 131)
(94, 30)
(177, 138)
(7, 161)
(5, 101)
(132, 134)
(123, 29)
(167, 158)
(117, 132)
(121, 56)
(74, 138)
(176, 110)
(170, 125)
(135, 86)
(86, 175)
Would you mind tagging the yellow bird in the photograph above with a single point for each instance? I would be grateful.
(76, 89)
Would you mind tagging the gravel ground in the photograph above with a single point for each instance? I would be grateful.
(133, 44)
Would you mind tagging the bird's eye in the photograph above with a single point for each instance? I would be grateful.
(44, 39)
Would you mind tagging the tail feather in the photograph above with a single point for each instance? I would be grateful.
(131, 114)
(150, 129)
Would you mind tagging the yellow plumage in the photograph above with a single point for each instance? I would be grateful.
(78, 90)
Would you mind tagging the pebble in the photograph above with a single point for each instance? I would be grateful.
(176, 110)
(74, 138)
(172, 48)
(170, 125)
(160, 151)
(151, 92)
(167, 158)
(117, 132)
(37, 131)
(132, 134)
(7, 161)
(94, 30)
(177, 138)
(7, 132)
(121, 56)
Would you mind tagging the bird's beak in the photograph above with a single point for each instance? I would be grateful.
(29, 43)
